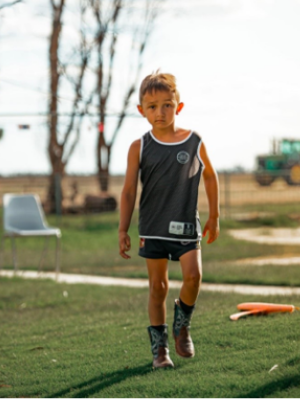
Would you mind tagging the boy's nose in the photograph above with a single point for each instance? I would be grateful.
(160, 111)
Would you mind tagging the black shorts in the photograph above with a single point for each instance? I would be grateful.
(172, 250)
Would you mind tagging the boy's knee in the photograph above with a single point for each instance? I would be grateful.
(193, 279)
(158, 289)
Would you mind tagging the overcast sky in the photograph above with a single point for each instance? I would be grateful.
(237, 63)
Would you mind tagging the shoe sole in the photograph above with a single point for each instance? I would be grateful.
(178, 353)
(165, 366)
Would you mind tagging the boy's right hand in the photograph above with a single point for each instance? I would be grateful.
(124, 244)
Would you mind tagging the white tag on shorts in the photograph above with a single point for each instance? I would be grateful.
(181, 228)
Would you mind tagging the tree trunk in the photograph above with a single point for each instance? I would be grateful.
(55, 150)
(103, 160)
(55, 192)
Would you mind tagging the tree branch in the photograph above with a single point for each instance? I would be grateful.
(112, 48)
(150, 15)
(10, 4)
(85, 52)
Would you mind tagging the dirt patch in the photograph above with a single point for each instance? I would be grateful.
(286, 236)
(283, 236)
(260, 261)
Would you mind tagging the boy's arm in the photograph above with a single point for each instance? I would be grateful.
(211, 184)
(128, 197)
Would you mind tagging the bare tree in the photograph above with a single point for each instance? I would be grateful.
(64, 135)
(112, 22)
(96, 52)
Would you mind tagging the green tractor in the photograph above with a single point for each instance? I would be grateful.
(283, 162)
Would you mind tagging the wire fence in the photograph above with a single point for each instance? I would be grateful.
(239, 193)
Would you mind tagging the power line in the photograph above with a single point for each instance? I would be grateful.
(46, 114)
(34, 89)
(59, 97)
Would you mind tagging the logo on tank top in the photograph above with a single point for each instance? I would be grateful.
(183, 157)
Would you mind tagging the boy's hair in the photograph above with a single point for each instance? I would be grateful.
(161, 82)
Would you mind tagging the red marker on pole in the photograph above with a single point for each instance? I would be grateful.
(101, 127)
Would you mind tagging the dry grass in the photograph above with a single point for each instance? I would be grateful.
(235, 189)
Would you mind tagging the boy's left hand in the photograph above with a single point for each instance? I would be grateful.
(213, 229)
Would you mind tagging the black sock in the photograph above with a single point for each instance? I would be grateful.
(185, 308)
(159, 328)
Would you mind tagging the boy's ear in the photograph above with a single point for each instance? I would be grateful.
(140, 108)
(179, 108)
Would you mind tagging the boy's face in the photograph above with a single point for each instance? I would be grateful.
(160, 108)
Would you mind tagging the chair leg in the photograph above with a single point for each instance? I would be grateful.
(2, 252)
(43, 253)
(14, 252)
(57, 266)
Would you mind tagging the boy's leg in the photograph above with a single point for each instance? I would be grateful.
(191, 267)
(158, 333)
(158, 290)
(191, 271)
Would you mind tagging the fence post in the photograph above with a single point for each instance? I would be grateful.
(58, 194)
(227, 193)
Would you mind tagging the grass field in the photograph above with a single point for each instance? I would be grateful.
(60, 340)
(85, 341)
(90, 246)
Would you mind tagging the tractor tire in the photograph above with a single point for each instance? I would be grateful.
(293, 177)
(264, 178)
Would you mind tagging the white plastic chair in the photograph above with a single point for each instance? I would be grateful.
(23, 216)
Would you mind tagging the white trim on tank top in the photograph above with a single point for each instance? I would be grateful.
(171, 239)
(141, 150)
(172, 143)
(198, 155)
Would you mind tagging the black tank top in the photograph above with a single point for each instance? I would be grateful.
(170, 176)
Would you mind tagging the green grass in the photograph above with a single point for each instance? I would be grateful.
(281, 211)
(90, 246)
(61, 340)
(287, 275)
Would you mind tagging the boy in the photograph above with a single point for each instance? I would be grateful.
(171, 161)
